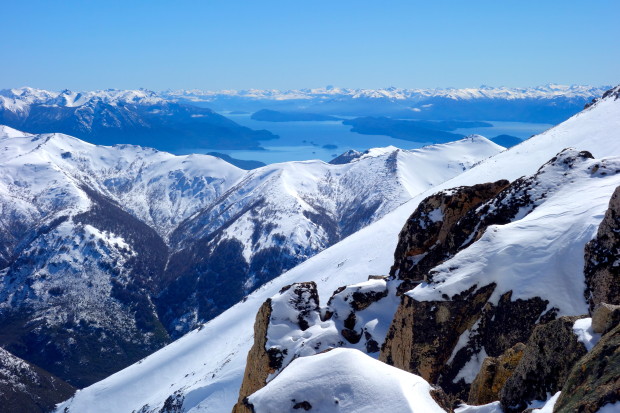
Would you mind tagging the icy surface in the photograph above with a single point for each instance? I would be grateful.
(208, 364)
(344, 380)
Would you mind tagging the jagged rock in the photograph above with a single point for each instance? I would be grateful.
(25, 388)
(258, 366)
(423, 334)
(602, 266)
(493, 375)
(430, 236)
(297, 304)
(605, 317)
(594, 381)
(549, 355)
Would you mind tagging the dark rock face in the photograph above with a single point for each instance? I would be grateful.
(423, 334)
(25, 388)
(594, 381)
(493, 375)
(549, 355)
(602, 267)
(433, 232)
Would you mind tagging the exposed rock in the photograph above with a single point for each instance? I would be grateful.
(605, 317)
(594, 380)
(602, 266)
(25, 388)
(258, 365)
(549, 355)
(296, 304)
(442, 399)
(429, 236)
(423, 334)
(493, 375)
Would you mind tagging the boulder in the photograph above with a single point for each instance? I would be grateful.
(605, 317)
(594, 381)
(493, 375)
(550, 353)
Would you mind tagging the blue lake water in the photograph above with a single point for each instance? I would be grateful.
(305, 140)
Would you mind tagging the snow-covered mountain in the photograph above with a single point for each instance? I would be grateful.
(547, 104)
(114, 250)
(565, 201)
(139, 117)
(26, 388)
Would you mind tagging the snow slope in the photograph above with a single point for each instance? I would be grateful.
(159, 188)
(207, 364)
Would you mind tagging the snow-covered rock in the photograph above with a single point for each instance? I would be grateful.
(344, 380)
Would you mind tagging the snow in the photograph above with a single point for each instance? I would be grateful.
(540, 254)
(344, 380)
(546, 406)
(610, 408)
(494, 407)
(470, 370)
(213, 357)
(583, 330)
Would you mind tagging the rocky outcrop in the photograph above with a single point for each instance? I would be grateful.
(493, 375)
(547, 360)
(291, 324)
(602, 266)
(422, 335)
(25, 388)
(594, 381)
(258, 365)
(432, 233)
(297, 304)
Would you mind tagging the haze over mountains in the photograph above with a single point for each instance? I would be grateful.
(541, 203)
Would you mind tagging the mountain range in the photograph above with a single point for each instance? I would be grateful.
(544, 104)
(109, 253)
(139, 117)
(495, 287)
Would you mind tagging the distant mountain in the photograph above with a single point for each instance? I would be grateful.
(481, 266)
(108, 253)
(138, 117)
(25, 388)
(545, 104)
(266, 115)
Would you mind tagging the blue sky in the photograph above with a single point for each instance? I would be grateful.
(217, 44)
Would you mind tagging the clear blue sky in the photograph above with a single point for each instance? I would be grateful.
(218, 44)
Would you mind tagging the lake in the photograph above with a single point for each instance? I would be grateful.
(305, 140)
